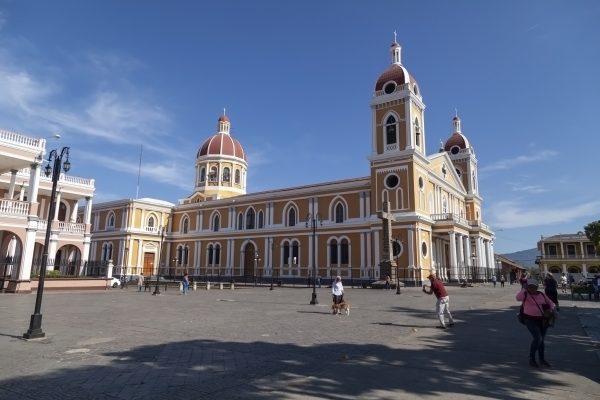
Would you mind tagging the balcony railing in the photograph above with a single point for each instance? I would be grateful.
(63, 227)
(21, 140)
(14, 207)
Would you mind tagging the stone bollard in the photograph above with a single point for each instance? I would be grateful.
(232, 286)
(207, 285)
(195, 286)
(221, 285)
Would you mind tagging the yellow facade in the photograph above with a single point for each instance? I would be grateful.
(436, 210)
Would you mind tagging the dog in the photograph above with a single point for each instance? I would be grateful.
(341, 308)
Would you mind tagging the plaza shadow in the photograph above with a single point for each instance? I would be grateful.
(471, 359)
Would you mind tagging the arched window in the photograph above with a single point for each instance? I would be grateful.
(390, 130)
(107, 251)
(344, 251)
(186, 253)
(291, 217)
(151, 222)
(217, 254)
(295, 252)
(286, 253)
(216, 223)
(333, 252)
(260, 220)
(240, 221)
(185, 225)
(110, 222)
(444, 205)
(212, 177)
(179, 255)
(339, 213)
(417, 133)
(250, 219)
(226, 174)
(237, 176)
(211, 254)
(202, 174)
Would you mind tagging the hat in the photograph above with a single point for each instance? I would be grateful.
(532, 282)
(338, 278)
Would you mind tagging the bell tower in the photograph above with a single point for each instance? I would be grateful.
(398, 134)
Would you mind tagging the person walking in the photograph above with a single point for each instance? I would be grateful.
(140, 281)
(494, 280)
(337, 291)
(387, 283)
(185, 283)
(534, 302)
(563, 282)
(551, 289)
(502, 280)
(443, 300)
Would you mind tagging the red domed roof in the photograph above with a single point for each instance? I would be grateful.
(457, 139)
(224, 118)
(396, 73)
(222, 144)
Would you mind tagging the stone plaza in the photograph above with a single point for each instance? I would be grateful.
(256, 343)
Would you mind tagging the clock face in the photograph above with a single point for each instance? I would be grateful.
(389, 88)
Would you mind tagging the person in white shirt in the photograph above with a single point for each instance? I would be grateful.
(337, 290)
(563, 283)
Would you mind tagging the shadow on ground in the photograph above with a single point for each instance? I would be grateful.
(469, 359)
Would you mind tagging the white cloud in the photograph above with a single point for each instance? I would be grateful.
(519, 160)
(533, 189)
(168, 172)
(20, 91)
(510, 214)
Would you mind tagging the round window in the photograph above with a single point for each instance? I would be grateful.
(389, 88)
(424, 249)
(454, 149)
(458, 172)
(416, 89)
(392, 181)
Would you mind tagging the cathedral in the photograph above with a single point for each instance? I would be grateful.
(415, 213)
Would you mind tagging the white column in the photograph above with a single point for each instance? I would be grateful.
(460, 254)
(88, 210)
(453, 261)
(55, 216)
(11, 185)
(411, 248)
(362, 255)
(73, 218)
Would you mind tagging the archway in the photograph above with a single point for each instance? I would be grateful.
(249, 252)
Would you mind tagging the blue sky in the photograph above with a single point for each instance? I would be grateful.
(296, 79)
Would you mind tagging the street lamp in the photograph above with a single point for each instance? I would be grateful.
(35, 324)
(161, 233)
(314, 219)
(256, 260)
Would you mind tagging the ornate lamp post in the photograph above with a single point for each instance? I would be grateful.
(161, 233)
(312, 220)
(35, 324)
(256, 260)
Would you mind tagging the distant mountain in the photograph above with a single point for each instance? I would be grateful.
(524, 257)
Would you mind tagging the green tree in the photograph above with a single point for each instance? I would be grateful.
(592, 231)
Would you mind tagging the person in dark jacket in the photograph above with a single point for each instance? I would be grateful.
(551, 289)
(443, 300)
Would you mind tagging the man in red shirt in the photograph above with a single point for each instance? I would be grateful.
(443, 300)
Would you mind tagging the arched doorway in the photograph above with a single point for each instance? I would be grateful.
(249, 253)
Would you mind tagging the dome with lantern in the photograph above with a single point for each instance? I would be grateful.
(457, 141)
(222, 144)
